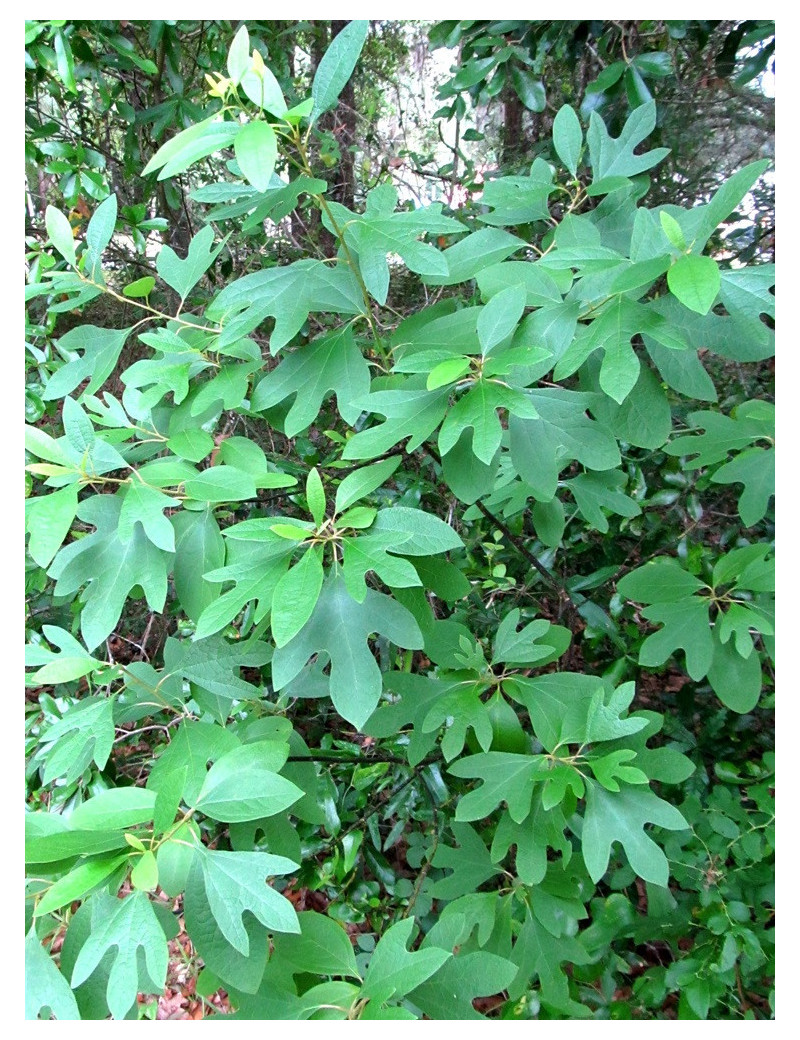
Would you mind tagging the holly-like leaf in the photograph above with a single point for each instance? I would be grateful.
(340, 628)
(621, 817)
(131, 926)
(109, 567)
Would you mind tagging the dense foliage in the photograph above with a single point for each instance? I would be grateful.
(399, 576)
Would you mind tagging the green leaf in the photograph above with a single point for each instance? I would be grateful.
(141, 287)
(98, 235)
(380, 231)
(416, 533)
(255, 569)
(198, 141)
(541, 448)
(332, 363)
(686, 626)
(49, 519)
(85, 734)
(470, 863)
(256, 151)
(221, 484)
(323, 947)
(498, 319)
(59, 231)
(734, 679)
(659, 581)
(244, 784)
(144, 875)
(47, 840)
(518, 200)
(447, 372)
(513, 647)
(476, 251)
(110, 566)
(315, 496)
(530, 89)
(78, 882)
(241, 972)
(101, 351)
(394, 971)
(296, 595)
(339, 627)
(568, 138)
(145, 505)
(615, 157)
(363, 482)
(621, 817)
(336, 66)
(411, 414)
(235, 884)
(540, 954)
(695, 281)
(193, 745)
(65, 62)
(183, 275)
(239, 60)
(117, 807)
(287, 294)
(506, 778)
(45, 986)
(755, 468)
(449, 994)
(673, 231)
(478, 410)
(261, 87)
(595, 492)
(131, 926)
(199, 548)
